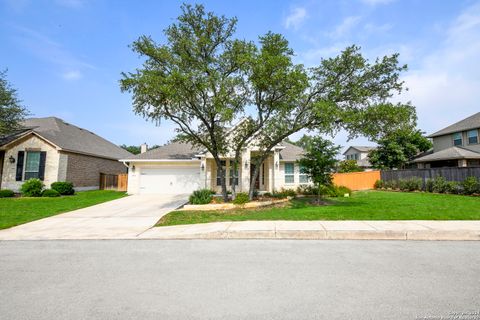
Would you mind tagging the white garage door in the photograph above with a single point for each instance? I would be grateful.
(169, 180)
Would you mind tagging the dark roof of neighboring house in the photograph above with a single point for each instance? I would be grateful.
(451, 153)
(469, 123)
(185, 151)
(291, 152)
(72, 138)
(173, 151)
(361, 148)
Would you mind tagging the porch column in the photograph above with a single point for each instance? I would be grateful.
(271, 178)
(276, 170)
(245, 171)
(204, 173)
(462, 163)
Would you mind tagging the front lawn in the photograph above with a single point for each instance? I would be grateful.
(362, 205)
(15, 211)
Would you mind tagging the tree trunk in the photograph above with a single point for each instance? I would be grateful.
(236, 161)
(223, 181)
(256, 172)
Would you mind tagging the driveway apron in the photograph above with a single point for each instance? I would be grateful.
(118, 219)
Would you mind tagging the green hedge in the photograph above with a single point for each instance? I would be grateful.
(6, 193)
(469, 186)
(202, 196)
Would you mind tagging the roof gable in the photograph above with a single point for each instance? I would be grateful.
(364, 149)
(472, 122)
(71, 138)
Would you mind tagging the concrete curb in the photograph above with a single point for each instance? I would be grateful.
(323, 230)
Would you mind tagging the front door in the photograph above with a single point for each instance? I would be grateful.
(257, 182)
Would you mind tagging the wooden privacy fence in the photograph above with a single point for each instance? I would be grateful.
(357, 180)
(450, 174)
(113, 181)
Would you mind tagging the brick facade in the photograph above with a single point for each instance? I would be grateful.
(84, 171)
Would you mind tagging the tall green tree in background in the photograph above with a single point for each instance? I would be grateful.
(398, 147)
(12, 112)
(131, 149)
(345, 166)
(319, 161)
(196, 79)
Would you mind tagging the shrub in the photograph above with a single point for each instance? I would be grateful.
(63, 188)
(241, 198)
(307, 190)
(267, 194)
(6, 193)
(283, 193)
(50, 193)
(202, 196)
(429, 185)
(452, 187)
(341, 191)
(439, 185)
(411, 184)
(32, 188)
(470, 185)
(379, 184)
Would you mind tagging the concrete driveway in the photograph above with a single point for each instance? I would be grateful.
(122, 218)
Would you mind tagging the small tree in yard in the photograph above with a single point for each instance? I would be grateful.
(398, 147)
(319, 162)
(11, 111)
(349, 166)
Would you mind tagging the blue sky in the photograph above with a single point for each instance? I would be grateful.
(65, 56)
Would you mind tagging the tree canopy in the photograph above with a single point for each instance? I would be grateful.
(398, 147)
(203, 79)
(319, 161)
(12, 112)
(345, 166)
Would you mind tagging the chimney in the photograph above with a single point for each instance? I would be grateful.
(143, 148)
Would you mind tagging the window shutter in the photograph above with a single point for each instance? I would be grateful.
(41, 167)
(19, 172)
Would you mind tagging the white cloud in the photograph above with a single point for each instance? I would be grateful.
(48, 50)
(445, 85)
(344, 28)
(72, 75)
(296, 18)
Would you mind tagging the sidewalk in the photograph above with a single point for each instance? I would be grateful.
(322, 230)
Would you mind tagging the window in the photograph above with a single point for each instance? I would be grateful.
(219, 178)
(303, 177)
(457, 139)
(32, 165)
(357, 156)
(289, 173)
(472, 137)
(233, 176)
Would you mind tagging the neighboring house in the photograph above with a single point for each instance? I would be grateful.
(359, 154)
(454, 146)
(53, 150)
(178, 168)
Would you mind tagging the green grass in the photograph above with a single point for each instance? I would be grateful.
(15, 211)
(364, 205)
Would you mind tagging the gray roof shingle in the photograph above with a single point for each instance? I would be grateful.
(291, 152)
(74, 139)
(469, 123)
(449, 154)
(185, 151)
(172, 151)
(361, 148)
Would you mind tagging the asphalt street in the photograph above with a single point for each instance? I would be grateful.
(239, 279)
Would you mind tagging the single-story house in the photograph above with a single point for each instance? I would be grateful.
(178, 168)
(454, 146)
(53, 150)
(360, 155)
